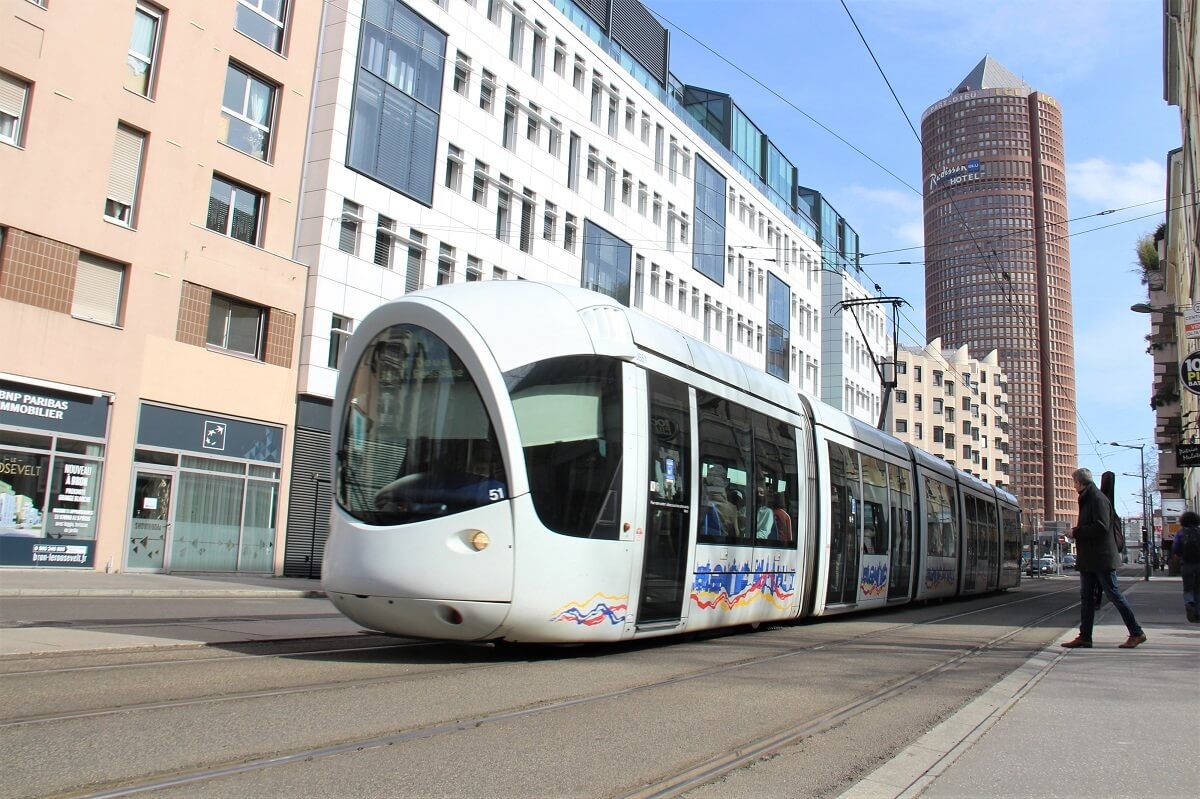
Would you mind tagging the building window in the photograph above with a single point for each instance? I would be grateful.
(143, 49)
(569, 233)
(779, 321)
(474, 268)
(397, 99)
(918, 431)
(487, 91)
(351, 225)
(462, 74)
(606, 263)
(262, 21)
(916, 374)
(917, 402)
(902, 397)
(98, 288)
(247, 108)
(234, 210)
(340, 329)
(537, 67)
(709, 248)
(528, 207)
(454, 168)
(938, 432)
(414, 277)
(14, 94)
(479, 188)
(550, 221)
(901, 425)
(385, 232)
(573, 150)
(235, 325)
(503, 209)
(509, 134)
(123, 176)
(445, 265)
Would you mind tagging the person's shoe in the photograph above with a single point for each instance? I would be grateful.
(1192, 615)
(1079, 643)
(1133, 640)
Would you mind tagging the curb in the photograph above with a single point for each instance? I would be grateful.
(197, 593)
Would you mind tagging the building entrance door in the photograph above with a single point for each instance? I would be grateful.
(150, 521)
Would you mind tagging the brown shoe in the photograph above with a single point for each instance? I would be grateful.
(1133, 641)
(1079, 643)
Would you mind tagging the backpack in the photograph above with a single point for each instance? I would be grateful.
(1189, 548)
(1118, 532)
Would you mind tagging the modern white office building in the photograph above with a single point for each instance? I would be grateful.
(545, 140)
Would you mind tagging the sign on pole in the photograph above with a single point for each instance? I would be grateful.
(1189, 372)
(1191, 321)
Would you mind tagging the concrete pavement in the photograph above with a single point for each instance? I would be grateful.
(1084, 722)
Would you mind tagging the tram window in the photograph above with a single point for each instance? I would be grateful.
(776, 487)
(939, 519)
(569, 416)
(725, 466)
(875, 502)
(417, 441)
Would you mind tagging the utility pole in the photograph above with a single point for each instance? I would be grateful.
(887, 381)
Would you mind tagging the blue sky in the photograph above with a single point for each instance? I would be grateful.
(1102, 60)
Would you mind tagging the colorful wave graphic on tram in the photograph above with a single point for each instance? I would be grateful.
(596, 609)
(874, 579)
(715, 588)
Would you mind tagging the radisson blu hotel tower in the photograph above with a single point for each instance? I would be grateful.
(998, 266)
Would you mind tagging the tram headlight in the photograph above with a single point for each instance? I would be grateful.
(480, 540)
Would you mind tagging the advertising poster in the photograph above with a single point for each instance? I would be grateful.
(23, 481)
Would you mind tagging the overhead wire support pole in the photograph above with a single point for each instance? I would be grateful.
(887, 383)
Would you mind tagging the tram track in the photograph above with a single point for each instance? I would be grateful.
(223, 698)
(669, 785)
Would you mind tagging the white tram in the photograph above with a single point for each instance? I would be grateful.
(538, 463)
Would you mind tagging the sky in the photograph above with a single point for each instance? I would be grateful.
(801, 72)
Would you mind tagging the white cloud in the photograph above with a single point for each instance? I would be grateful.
(1101, 183)
(905, 201)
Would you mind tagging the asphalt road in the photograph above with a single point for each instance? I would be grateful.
(797, 710)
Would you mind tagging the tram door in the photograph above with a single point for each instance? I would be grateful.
(664, 563)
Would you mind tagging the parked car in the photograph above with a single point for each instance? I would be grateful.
(1043, 565)
(1068, 562)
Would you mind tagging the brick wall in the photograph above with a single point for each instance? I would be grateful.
(193, 314)
(281, 333)
(38, 271)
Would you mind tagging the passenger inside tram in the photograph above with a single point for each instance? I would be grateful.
(720, 515)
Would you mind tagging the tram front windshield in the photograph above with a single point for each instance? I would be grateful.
(416, 441)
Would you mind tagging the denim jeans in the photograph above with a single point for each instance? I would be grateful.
(1191, 581)
(1106, 581)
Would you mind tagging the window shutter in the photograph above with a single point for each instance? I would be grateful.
(127, 158)
(97, 289)
(12, 96)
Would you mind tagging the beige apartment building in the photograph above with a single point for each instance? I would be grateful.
(955, 407)
(149, 302)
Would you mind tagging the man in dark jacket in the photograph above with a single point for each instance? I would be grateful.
(1187, 547)
(1097, 560)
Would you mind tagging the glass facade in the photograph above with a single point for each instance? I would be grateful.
(708, 249)
(607, 262)
(397, 99)
(746, 140)
(779, 341)
(781, 174)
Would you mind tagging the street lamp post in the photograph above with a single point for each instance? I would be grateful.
(1141, 448)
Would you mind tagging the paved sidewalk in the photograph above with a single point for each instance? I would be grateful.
(1073, 723)
(85, 582)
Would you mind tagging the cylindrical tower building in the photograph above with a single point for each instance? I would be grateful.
(998, 267)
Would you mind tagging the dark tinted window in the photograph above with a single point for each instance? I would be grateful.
(569, 416)
(416, 442)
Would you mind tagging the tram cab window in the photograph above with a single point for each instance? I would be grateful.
(569, 416)
(416, 442)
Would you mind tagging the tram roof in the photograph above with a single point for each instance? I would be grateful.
(525, 321)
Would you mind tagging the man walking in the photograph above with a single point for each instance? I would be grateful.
(1097, 560)
(1187, 547)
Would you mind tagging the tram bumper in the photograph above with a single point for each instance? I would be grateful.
(448, 578)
